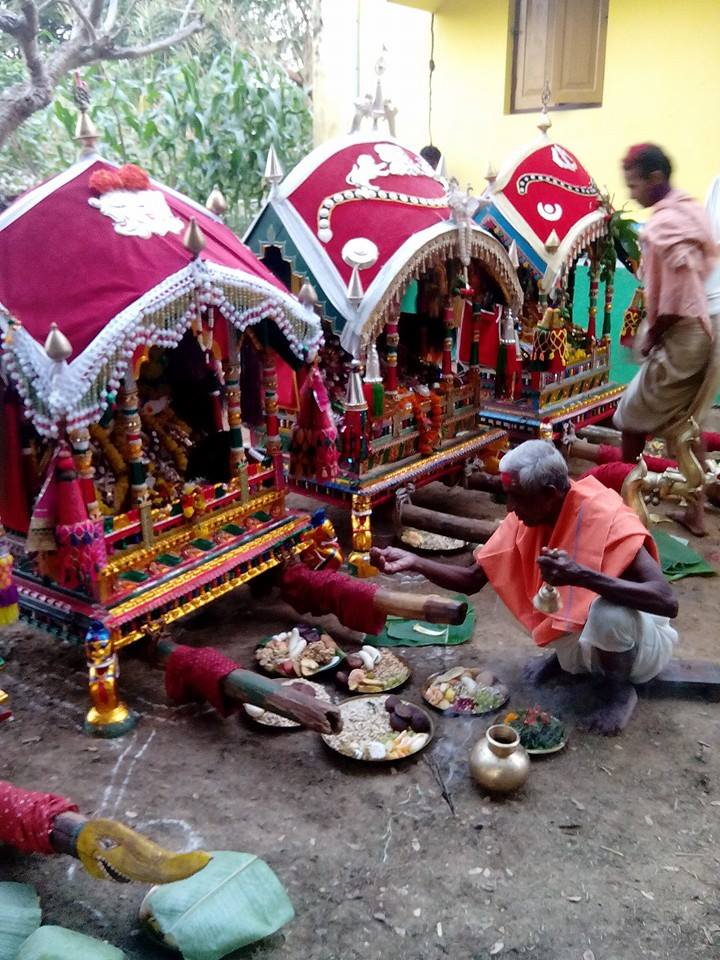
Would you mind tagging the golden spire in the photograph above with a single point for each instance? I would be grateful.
(216, 202)
(194, 238)
(57, 345)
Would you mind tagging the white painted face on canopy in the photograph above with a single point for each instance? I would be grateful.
(138, 213)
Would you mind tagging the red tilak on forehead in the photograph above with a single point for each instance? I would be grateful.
(508, 479)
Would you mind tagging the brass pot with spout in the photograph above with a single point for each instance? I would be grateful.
(498, 762)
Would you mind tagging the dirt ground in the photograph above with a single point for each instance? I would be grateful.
(610, 851)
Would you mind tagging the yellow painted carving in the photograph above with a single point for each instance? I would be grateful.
(111, 851)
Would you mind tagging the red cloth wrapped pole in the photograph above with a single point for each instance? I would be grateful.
(607, 453)
(325, 591)
(27, 817)
(197, 674)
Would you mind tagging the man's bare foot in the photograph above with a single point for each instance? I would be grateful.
(540, 670)
(614, 715)
(689, 518)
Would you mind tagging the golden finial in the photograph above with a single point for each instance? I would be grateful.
(194, 238)
(544, 123)
(216, 202)
(86, 132)
(57, 345)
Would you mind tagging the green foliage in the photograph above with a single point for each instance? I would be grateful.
(622, 235)
(190, 123)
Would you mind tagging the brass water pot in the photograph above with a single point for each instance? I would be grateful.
(498, 762)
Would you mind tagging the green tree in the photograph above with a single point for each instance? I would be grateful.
(195, 116)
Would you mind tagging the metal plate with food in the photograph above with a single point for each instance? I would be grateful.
(373, 671)
(381, 728)
(424, 540)
(540, 732)
(300, 652)
(465, 691)
(268, 719)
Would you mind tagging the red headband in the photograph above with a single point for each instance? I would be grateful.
(507, 479)
(633, 155)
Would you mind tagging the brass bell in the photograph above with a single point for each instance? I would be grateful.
(547, 599)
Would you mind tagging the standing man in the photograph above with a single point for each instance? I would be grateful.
(679, 376)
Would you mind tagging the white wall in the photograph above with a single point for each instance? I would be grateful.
(351, 41)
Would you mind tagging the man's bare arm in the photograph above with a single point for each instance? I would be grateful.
(641, 587)
(465, 580)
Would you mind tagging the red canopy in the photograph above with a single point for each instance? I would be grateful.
(369, 188)
(110, 269)
(550, 200)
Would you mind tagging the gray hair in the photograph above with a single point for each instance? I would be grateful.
(537, 464)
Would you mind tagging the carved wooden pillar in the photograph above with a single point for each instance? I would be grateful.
(272, 422)
(238, 462)
(392, 338)
(136, 468)
(607, 316)
(82, 455)
(592, 310)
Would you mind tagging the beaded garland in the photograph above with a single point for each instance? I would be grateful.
(81, 391)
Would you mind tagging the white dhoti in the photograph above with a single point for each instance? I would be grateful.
(615, 629)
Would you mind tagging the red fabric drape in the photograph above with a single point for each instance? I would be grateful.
(325, 591)
(13, 497)
(197, 674)
(27, 817)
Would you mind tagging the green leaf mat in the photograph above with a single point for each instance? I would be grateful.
(400, 633)
(677, 560)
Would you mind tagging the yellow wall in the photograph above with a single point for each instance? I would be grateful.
(662, 77)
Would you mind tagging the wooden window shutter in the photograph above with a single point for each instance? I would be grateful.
(578, 54)
(533, 51)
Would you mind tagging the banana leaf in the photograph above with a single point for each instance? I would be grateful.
(399, 632)
(57, 943)
(19, 916)
(233, 901)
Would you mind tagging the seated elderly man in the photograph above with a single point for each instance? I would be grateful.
(580, 537)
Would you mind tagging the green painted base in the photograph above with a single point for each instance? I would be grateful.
(108, 731)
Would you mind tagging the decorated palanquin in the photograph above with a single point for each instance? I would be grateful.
(140, 345)
(402, 276)
(540, 369)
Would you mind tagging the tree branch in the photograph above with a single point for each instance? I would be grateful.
(30, 48)
(82, 16)
(111, 16)
(85, 45)
(186, 13)
(135, 53)
(118, 26)
(10, 22)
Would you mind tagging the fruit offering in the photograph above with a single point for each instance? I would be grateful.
(300, 652)
(380, 728)
(465, 690)
(268, 719)
(373, 671)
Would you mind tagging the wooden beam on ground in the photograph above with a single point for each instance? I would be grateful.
(682, 678)
(446, 524)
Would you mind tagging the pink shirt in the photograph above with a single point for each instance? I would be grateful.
(678, 254)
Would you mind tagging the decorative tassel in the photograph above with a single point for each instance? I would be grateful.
(41, 535)
(313, 447)
(375, 398)
(81, 541)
